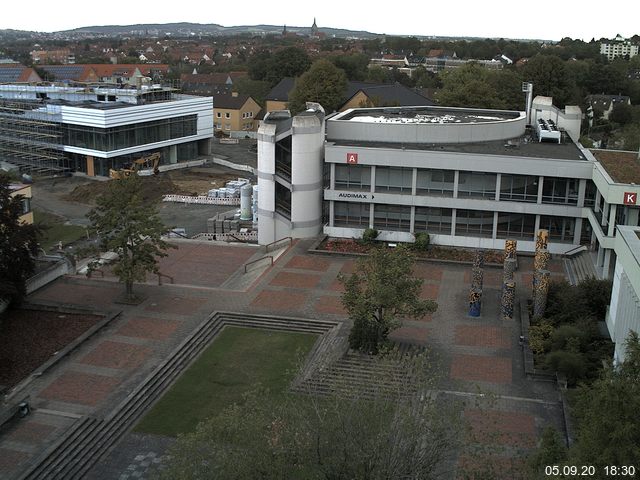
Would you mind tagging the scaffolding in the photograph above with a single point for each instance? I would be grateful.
(31, 137)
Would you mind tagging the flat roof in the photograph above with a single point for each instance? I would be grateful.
(517, 147)
(622, 167)
(426, 115)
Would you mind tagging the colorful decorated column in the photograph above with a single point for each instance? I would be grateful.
(475, 298)
(508, 299)
(541, 292)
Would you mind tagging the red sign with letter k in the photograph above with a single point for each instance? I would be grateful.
(630, 198)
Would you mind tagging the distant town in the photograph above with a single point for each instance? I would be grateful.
(308, 252)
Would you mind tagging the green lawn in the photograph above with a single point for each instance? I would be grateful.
(237, 360)
(57, 231)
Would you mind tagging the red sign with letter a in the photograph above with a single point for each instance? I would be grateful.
(630, 198)
(352, 158)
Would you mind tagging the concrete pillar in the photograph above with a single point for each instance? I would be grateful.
(371, 213)
(173, 154)
(498, 184)
(582, 191)
(540, 186)
(456, 179)
(612, 220)
(605, 213)
(494, 230)
(412, 220)
(373, 179)
(596, 205)
(332, 210)
(577, 231)
(536, 225)
(453, 222)
(414, 181)
(332, 177)
(606, 264)
(600, 256)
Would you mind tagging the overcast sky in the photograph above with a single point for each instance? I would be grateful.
(546, 19)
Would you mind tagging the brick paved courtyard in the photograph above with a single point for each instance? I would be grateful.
(475, 352)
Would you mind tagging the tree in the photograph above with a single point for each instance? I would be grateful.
(18, 244)
(130, 227)
(608, 430)
(357, 433)
(550, 78)
(379, 293)
(324, 83)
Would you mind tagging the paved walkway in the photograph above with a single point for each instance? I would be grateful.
(479, 356)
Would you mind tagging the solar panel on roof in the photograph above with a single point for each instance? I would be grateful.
(10, 74)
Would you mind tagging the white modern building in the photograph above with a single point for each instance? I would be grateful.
(468, 177)
(619, 47)
(624, 311)
(290, 173)
(92, 128)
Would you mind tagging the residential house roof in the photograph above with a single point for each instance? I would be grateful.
(74, 73)
(605, 102)
(15, 72)
(280, 92)
(229, 101)
(389, 94)
(394, 94)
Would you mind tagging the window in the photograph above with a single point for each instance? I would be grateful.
(433, 220)
(218, 115)
(394, 179)
(227, 126)
(283, 158)
(590, 194)
(227, 115)
(516, 225)
(353, 177)
(561, 229)
(560, 190)
(477, 184)
(392, 217)
(283, 201)
(346, 214)
(474, 223)
(435, 182)
(519, 188)
(251, 114)
(25, 202)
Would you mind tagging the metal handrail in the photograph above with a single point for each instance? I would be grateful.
(258, 260)
(160, 275)
(266, 247)
(574, 250)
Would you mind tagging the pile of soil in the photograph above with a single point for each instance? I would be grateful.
(180, 182)
(28, 338)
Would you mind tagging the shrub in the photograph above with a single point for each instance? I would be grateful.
(539, 335)
(573, 365)
(422, 241)
(596, 294)
(569, 335)
(369, 235)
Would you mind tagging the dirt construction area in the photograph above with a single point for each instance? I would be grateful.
(73, 197)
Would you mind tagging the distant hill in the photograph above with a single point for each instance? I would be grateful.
(181, 29)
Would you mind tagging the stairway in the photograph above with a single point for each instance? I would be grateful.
(90, 438)
(579, 267)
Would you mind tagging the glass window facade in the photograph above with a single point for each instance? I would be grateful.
(474, 223)
(435, 182)
(283, 158)
(283, 200)
(353, 177)
(561, 229)
(346, 214)
(394, 179)
(519, 188)
(560, 190)
(392, 217)
(515, 225)
(477, 184)
(433, 220)
(116, 138)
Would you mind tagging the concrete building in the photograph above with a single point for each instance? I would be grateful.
(290, 171)
(235, 113)
(469, 177)
(619, 47)
(624, 310)
(25, 191)
(92, 129)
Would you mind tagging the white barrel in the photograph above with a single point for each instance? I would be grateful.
(245, 202)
